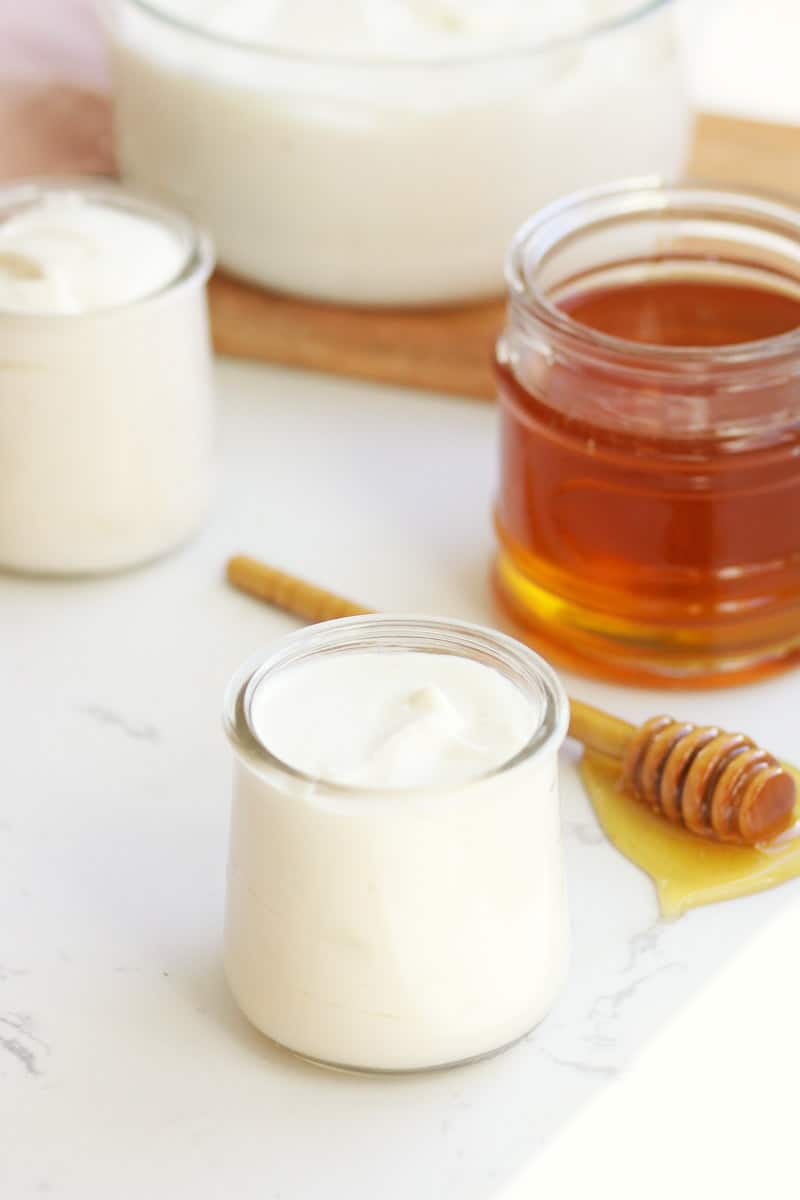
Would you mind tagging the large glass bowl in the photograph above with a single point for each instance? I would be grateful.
(389, 180)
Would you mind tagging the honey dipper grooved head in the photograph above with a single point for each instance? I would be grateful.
(717, 785)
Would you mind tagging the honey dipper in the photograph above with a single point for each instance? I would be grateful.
(716, 785)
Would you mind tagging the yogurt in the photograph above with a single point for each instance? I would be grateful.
(69, 253)
(106, 405)
(384, 151)
(398, 30)
(395, 888)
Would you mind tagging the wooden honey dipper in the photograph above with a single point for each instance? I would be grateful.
(717, 785)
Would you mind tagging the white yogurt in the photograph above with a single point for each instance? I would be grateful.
(106, 408)
(384, 151)
(395, 890)
(400, 721)
(67, 253)
(396, 30)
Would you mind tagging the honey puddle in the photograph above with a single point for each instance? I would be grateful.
(687, 870)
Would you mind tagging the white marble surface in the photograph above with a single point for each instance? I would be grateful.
(125, 1069)
(666, 1069)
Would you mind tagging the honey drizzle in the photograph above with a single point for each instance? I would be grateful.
(687, 871)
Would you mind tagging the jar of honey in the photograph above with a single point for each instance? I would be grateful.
(649, 377)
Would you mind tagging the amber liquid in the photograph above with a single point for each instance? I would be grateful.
(653, 559)
(687, 871)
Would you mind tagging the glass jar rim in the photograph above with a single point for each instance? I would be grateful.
(394, 634)
(638, 11)
(628, 199)
(197, 265)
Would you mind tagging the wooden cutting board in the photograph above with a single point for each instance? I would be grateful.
(449, 350)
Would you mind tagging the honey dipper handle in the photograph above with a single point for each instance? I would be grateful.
(598, 730)
(289, 593)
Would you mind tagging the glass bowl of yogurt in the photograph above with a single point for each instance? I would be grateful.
(382, 152)
(396, 893)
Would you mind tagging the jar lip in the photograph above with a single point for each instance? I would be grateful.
(637, 12)
(197, 265)
(631, 198)
(394, 634)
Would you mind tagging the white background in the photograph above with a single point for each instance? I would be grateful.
(744, 56)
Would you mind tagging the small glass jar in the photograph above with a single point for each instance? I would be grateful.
(392, 172)
(106, 413)
(401, 929)
(649, 504)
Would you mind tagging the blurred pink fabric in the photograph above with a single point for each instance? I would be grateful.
(54, 110)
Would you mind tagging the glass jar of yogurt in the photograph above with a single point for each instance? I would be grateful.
(395, 889)
(106, 399)
(384, 151)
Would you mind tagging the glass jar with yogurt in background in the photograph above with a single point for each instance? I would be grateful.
(106, 396)
(396, 895)
(381, 152)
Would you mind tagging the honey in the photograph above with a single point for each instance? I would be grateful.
(696, 312)
(648, 516)
(687, 870)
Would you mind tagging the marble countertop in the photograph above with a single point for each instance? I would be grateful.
(125, 1069)
(666, 1068)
